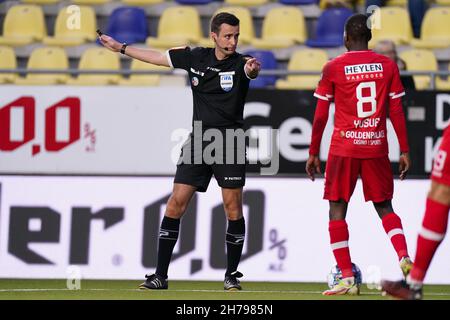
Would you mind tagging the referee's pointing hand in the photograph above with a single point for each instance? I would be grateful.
(252, 67)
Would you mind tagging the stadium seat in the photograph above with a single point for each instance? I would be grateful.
(194, 2)
(246, 3)
(179, 25)
(330, 28)
(304, 60)
(435, 30)
(298, 2)
(128, 24)
(282, 27)
(397, 3)
(420, 60)
(443, 84)
(46, 58)
(268, 62)
(91, 2)
(141, 2)
(98, 59)
(40, 1)
(74, 25)
(24, 24)
(7, 61)
(443, 2)
(143, 79)
(393, 24)
(246, 30)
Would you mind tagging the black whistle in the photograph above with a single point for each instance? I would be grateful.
(99, 32)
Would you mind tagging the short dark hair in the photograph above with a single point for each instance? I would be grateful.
(356, 28)
(223, 17)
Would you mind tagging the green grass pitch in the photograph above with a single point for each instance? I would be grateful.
(11, 289)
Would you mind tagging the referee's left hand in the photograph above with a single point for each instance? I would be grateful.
(252, 67)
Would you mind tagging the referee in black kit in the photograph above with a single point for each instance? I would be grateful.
(220, 80)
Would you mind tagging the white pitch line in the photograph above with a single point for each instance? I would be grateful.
(206, 291)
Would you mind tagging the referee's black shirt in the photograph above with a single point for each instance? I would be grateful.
(219, 87)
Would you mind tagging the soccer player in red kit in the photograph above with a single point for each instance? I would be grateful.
(363, 84)
(434, 226)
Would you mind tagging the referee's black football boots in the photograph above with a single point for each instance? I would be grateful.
(231, 282)
(154, 282)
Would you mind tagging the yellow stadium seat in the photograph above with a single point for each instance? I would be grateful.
(143, 79)
(282, 28)
(304, 60)
(435, 30)
(443, 2)
(420, 60)
(179, 25)
(443, 84)
(74, 25)
(24, 24)
(247, 3)
(93, 2)
(7, 61)
(46, 58)
(396, 3)
(98, 59)
(246, 30)
(141, 2)
(40, 1)
(391, 23)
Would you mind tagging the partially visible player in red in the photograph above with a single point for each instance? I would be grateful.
(434, 227)
(363, 85)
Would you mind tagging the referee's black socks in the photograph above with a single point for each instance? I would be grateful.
(168, 236)
(235, 242)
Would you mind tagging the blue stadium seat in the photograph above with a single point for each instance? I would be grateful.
(330, 28)
(268, 62)
(299, 2)
(194, 2)
(128, 24)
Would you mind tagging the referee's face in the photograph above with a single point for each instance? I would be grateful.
(227, 39)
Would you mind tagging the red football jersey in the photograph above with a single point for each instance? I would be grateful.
(361, 84)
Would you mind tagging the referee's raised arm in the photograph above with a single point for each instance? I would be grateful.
(146, 55)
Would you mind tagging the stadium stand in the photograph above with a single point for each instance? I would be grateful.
(282, 27)
(7, 61)
(97, 59)
(435, 30)
(73, 32)
(420, 60)
(179, 25)
(24, 24)
(304, 60)
(128, 24)
(330, 28)
(392, 23)
(46, 58)
(143, 79)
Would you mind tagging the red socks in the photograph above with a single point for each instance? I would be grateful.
(393, 227)
(339, 244)
(434, 226)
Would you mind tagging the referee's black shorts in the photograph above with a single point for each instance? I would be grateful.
(196, 166)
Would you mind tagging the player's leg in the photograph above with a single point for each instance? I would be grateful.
(340, 179)
(168, 234)
(232, 203)
(434, 227)
(378, 186)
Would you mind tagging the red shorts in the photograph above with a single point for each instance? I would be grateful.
(441, 165)
(341, 174)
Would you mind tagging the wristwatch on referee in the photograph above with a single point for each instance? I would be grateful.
(124, 46)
